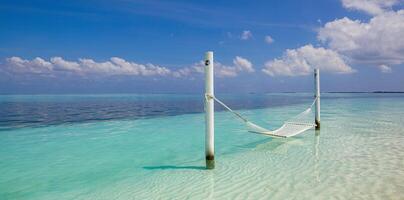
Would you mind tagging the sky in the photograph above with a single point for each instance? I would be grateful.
(130, 46)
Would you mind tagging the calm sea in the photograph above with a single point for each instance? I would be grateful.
(130, 146)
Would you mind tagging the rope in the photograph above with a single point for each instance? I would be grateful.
(245, 119)
(301, 123)
(312, 104)
(229, 109)
(286, 130)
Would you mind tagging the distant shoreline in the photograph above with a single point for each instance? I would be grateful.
(369, 92)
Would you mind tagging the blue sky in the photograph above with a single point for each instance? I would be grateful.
(157, 46)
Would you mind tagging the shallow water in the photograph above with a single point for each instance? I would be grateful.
(77, 150)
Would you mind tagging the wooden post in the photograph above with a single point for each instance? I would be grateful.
(209, 112)
(317, 95)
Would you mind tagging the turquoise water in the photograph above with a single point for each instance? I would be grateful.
(152, 147)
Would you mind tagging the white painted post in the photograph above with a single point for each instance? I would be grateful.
(317, 95)
(209, 112)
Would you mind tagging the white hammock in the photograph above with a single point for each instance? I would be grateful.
(291, 127)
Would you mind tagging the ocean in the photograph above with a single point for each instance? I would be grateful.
(133, 146)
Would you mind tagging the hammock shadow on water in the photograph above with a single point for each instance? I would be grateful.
(173, 167)
(277, 145)
(252, 145)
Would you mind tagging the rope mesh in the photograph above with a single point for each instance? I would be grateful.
(295, 125)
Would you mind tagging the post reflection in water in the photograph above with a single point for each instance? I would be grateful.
(211, 185)
(316, 154)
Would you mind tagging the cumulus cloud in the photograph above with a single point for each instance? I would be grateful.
(373, 7)
(240, 65)
(115, 66)
(385, 69)
(269, 39)
(36, 65)
(61, 64)
(302, 61)
(119, 66)
(378, 42)
(246, 35)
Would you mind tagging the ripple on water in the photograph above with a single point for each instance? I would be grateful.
(357, 155)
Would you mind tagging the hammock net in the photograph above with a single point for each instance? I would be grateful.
(295, 125)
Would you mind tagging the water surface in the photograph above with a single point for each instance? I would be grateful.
(152, 147)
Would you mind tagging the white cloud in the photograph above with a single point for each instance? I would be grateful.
(269, 39)
(116, 66)
(61, 64)
(225, 71)
(373, 7)
(36, 65)
(187, 71)
(239, 65)
(302, 61)
(246, 35)
(385, 69)
(242, 64)
(139, 69)
(119, 66)
(378, 42)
